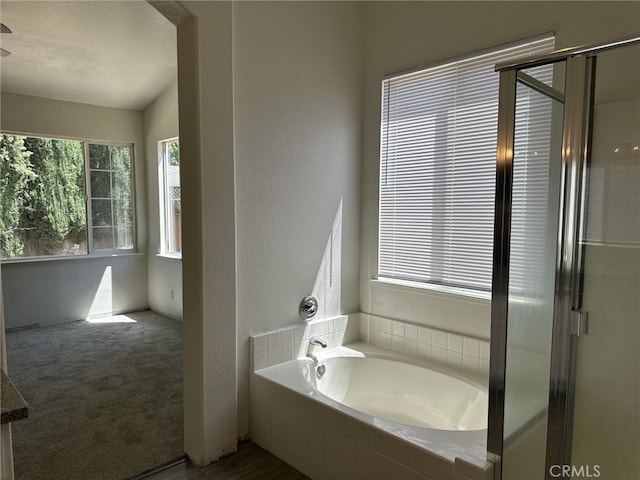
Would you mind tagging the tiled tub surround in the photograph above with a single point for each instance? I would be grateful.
(325, 439)
(466, 353)
(462, 352)
(282, 345)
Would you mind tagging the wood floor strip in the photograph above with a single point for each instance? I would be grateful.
(250, 463)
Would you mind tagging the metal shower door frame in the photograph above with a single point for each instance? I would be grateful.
(578, 104)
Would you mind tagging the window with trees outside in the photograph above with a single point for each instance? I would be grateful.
(171, 218)
(64, 197)
(437, 169)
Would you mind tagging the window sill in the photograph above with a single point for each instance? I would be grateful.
(169, 256)
(64, 258)
(438, 290)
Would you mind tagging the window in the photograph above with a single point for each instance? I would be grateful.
(437, 171)
(111, 197)
(171, 224)
(53, 202)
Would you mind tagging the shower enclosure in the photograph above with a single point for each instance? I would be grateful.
(565, 382)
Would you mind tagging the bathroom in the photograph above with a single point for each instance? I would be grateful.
(280, 131)
(305, 137)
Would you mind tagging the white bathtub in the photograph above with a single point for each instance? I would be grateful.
(400, 392)
(441, 411)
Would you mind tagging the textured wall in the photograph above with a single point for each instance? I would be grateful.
(165, 273)
(297, 150)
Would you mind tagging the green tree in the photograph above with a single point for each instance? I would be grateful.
(15, 174)
(174, 154)
(55, 213)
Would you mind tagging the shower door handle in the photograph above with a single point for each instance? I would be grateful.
(579, 321)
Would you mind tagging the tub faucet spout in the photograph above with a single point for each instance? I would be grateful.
(317, 341)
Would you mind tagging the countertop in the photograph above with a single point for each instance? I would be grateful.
(13, 406)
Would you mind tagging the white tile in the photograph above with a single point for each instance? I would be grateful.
(286, 352)
(411, 332)
(339, 465)
(306, 334)
(446, 471)
(454, 342)
(284, 396)
(258, 401)
(484, 349)
(340, 443)
(301, 349)
(397, 328)
(440, 338)
(396, 449)
(397, 343)
(259, 343)
(427, 464)
(439, 354)
(316, 451)
(471, 346)
(275, 411)
(316, 470)
(340, 323)
(385, 339)
(260, 384)
(312, 331)
(470, 363)
(385, 325)
(454, 358)
(375, 337)
(472, 471)
(322, 328)
(273, 341)
(425, 335)
(366, 436)
(411, 348)
(365, 456)
(274, 357)
(364, 328)
(260, 361)
(374, 323)
(286, 338)
(298, 336)
(484, 366)
(424, 351)
(363, 474)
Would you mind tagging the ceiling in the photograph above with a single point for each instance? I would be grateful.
(110, 53)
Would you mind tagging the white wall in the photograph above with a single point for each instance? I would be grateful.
(270, 212)
(297, 109)
(165, 272)
(403, 35)
(205, 85)
(55, 290)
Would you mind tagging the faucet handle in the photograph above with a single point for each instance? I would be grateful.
(308, 307)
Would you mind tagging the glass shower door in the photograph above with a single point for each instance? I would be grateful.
(565, 384)
(606, 421)
(533, 244)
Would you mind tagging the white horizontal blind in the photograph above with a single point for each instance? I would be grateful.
(437, 170)
(535, 124)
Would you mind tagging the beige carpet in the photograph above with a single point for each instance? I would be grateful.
(105, 398)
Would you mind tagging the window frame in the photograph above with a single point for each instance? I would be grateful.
(91, 252)
(425, 285)
(89, 197)
(163, 191)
